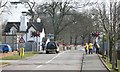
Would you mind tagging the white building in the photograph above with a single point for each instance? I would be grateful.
(18, 26)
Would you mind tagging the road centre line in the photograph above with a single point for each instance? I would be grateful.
(50, 59)
(39, 66)
(54, 57)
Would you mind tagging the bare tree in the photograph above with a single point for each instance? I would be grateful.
(2, 6)
(109, 22)
(85, 25)
(57, 11)
(79, 29)
(31, 5)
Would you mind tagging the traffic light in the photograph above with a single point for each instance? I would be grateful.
(97, 34)
(35, 34)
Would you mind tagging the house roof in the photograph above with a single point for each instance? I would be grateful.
(37, 26)
(10, 25)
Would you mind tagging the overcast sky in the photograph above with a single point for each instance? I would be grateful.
(17, 12)
(42, 1)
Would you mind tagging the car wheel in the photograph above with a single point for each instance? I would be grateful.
(57, 52)
(3, 51)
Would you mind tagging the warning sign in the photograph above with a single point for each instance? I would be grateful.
(21, 40)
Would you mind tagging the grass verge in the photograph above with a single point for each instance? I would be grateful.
(17, 57)
(119, 65)
(110, 65)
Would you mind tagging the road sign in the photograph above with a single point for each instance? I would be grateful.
(51, 36)
(21, 40)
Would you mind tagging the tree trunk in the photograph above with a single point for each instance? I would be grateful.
(103, 51)
(114, 53)
(76, 39)
(89, 39)
(110, 51)
(114, 57)
(83, 40)
(55, 37)
(70, 40)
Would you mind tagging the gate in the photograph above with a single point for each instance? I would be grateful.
(30, 46)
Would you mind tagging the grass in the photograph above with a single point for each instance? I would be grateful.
(17, 57)
(110, 65)
(119, 65)
(107, 63)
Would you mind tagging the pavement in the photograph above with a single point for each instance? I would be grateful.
(93, 63)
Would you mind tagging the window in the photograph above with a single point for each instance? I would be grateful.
(31, 33)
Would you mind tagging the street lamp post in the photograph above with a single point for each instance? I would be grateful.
(103, 45)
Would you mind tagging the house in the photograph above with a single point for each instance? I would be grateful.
(19, 28)
(13, 30)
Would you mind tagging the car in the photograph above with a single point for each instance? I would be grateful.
(52, 47)
(5, 48)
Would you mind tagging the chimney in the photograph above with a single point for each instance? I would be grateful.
(23, 22)
(38, 20)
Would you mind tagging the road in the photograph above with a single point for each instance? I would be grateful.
(66, 60)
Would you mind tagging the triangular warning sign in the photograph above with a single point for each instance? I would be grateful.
(21, 40)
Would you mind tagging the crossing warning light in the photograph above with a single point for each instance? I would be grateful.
(95, 34)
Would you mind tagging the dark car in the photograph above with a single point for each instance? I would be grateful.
(5, 48)
(52, 47)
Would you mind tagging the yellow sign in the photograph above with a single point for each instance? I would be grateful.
(21, 52)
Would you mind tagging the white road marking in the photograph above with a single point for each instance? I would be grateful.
(50, 59)
(39, 66)
(54, 57)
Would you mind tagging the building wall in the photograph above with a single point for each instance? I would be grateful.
(27, 37)
(42, 35)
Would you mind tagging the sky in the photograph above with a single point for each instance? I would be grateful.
(73, 1)
(16, 12)
(42, 1)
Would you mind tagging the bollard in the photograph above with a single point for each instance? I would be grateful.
(21, 52)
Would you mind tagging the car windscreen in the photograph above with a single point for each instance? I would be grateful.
(51, 45)
(2, 46)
